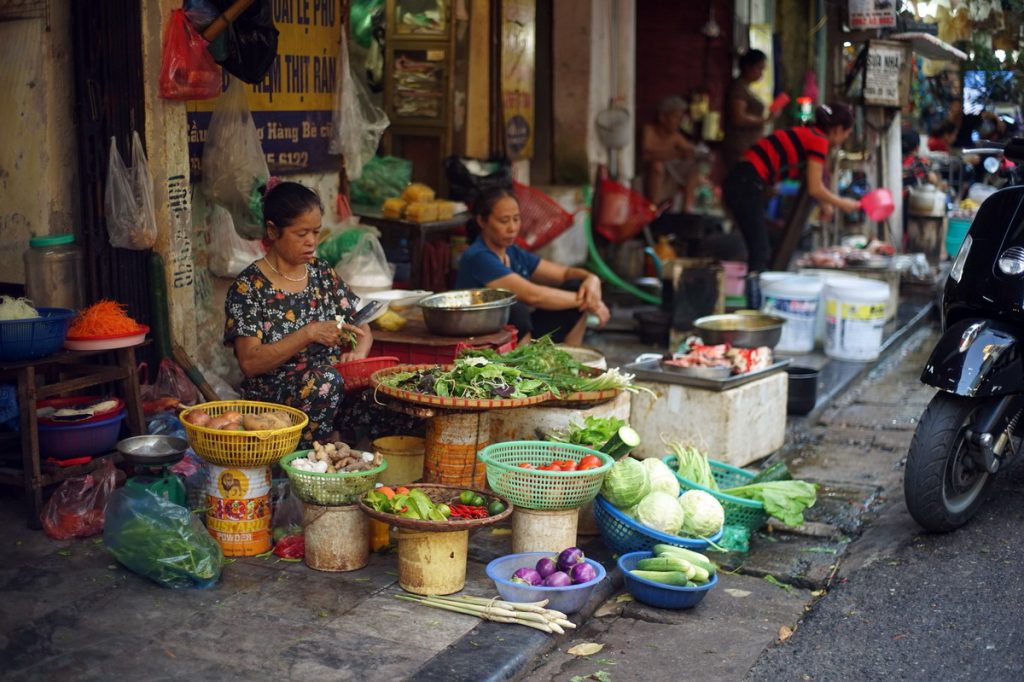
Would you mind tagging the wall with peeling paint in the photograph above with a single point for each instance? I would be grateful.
(38, 157)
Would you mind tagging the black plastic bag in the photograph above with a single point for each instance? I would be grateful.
(467, 178)
(248, 46)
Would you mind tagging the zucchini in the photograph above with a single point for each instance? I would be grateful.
(625, 440)
(677, 578)
(776, 472)
(669, 564)
(694, 558)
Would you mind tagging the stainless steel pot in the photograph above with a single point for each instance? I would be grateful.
(743, 330)
(467, 312)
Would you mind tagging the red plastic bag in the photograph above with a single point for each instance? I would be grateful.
(187, 70)
(622, 212)
(172, 389)
(291, 547)
(77, 507)
(543, 218)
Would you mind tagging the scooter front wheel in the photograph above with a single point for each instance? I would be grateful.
(943, 486)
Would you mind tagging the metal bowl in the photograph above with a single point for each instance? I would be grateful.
(151, 450)
(467, 312)
(697, 372)
(743, 330)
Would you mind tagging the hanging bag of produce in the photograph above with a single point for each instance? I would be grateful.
(357, 124)
(187, 69)
(128, 199)
(229, 253)
(234, 165)
(161, 540)
(248, 46)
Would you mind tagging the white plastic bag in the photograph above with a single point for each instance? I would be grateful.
(234, 165)
(357, 124)
(128, 200)
(229, 253)
(365, 268)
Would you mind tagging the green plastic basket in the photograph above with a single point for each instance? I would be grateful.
(330, 490)
(542, 490)
(749, 514)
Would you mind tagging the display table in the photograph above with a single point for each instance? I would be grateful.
(413, 343)
(417, 231)
(59, 374)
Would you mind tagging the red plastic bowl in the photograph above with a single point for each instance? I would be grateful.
(878, 204)
(76, 401)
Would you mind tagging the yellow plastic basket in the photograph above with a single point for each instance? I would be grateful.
(246, 449)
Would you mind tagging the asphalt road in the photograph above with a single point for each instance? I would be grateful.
(915, 606)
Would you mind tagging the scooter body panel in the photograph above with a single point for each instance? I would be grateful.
(977, 358)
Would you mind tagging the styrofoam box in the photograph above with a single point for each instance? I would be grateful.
(738, 426)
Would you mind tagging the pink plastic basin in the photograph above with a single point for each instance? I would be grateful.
(878, 204)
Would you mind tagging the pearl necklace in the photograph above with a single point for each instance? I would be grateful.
(290, 279)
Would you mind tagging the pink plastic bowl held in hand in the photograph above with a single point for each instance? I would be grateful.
(878, 204)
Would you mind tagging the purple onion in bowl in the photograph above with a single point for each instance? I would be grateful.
(527, 576)
(582, 573)
(569, 558)
(558, 579)
(546, 566)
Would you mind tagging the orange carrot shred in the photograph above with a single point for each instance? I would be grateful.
(105, 318)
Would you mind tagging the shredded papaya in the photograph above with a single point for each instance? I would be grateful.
(105, 318)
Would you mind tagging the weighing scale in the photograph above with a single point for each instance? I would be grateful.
(153, 457)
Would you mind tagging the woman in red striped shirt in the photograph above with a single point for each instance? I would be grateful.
(786, 153)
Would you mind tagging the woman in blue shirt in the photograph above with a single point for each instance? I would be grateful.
(543, 306)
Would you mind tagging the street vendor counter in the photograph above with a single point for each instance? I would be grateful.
(414, 344)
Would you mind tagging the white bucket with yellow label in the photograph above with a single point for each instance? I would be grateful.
(236, 483)
(855, 314)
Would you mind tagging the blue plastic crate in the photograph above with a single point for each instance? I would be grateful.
(623, 534)
(34, 338)
(657, 594)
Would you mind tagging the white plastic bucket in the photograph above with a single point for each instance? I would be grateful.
(827, 276)
(855, 319)
(794, 298)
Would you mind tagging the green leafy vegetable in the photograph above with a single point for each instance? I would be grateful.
(475, 377)
(785, 500)
(704, 514)
(692, 464)
(626, 483)
(593, 432)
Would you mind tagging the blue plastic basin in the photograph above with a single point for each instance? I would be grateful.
(657, 594)
(565, 599)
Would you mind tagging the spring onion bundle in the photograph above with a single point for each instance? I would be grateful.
(531, 614)
(693, 464)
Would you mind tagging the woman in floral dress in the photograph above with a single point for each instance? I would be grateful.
(281, 315)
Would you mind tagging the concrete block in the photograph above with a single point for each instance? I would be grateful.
(738, 426)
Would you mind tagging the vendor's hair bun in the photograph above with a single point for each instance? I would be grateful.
(284, 202)
(834, 115)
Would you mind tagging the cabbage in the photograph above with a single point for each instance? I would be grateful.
(662, 477)
(660, 511)
(704, 515)
(626, 483)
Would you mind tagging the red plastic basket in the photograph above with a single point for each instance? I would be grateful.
(356, 373)
(543, 218)
(622, 213)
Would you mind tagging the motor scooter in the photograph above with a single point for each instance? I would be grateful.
(972, 426)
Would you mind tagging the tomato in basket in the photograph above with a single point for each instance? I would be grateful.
(589, 462)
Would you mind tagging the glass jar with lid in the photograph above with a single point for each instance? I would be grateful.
(54, 272)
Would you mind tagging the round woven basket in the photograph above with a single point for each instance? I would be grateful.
(447, 495)
(542, 490)
(330, 490)
(447, 403)
(246, 449)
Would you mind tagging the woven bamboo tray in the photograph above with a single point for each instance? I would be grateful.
(447, 403)
(438, 494)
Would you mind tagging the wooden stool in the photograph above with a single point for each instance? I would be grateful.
(73, 371)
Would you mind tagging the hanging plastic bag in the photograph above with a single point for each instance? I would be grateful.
(161, 540)
(128, 199)
(365, 268)
(468, 178)
(187, 69)
(622, 212)
(337, 245)
(171, 382)
(248, 46)
(77, 507)
(357, 123)
(234, 165)
(229, 253)
(383, 177)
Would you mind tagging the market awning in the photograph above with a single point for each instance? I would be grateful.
(929, 46)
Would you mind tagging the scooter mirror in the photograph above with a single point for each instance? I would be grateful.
(991, 164)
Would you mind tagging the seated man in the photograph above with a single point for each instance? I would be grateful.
(667, 156)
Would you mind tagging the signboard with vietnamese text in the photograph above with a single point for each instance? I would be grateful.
(872, 13)
(886, 74)
(518, 28)
(292, 105)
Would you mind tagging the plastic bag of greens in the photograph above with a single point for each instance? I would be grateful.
(161, 540)
(340, 243)
(357, 123)
(383, 177)
(234, 165)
